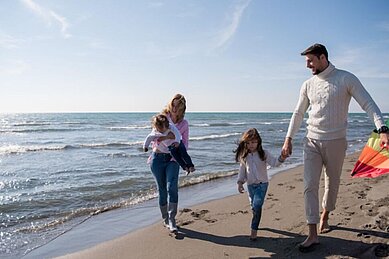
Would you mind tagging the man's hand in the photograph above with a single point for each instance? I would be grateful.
(287, 148)
(384, 140)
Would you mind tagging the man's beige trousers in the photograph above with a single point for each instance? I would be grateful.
(319, 154)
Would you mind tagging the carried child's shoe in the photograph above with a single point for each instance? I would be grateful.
(190, 170)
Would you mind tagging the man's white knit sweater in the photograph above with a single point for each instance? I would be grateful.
(328, 95)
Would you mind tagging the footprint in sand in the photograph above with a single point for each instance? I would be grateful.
(199, 214)
(185, 223)
(240, 211)
(361, 194)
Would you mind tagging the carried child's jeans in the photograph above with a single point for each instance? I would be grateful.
(257, 193)
(181, 156)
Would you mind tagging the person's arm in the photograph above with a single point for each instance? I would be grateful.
(363, 98)
(184, 130)
(241, 177)
(148, 139)
(296, 120)
(274, 161)
(176, 132)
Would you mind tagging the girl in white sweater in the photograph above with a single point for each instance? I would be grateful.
(253, 161)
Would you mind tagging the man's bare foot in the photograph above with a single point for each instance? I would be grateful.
(308, 245)
(324, 226)
(311, 240)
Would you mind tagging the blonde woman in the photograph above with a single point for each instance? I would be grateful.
(165, 169)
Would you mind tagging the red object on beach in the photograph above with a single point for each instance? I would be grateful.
(374, 159)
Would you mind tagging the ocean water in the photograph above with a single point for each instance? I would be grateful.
(59, 169)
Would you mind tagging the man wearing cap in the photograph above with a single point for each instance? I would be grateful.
(327, 93)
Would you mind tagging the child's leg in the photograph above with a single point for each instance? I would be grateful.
(259, 193)
(175, 152)
(184, 154)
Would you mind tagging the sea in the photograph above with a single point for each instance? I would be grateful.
(61, 170)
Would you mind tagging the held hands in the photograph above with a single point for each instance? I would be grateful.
(286, 148)
(240, 187)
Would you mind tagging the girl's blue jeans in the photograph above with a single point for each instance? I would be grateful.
(257, 193)
(165, 173)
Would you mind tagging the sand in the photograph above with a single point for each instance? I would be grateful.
(220, 228)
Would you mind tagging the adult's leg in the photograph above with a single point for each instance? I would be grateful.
(158, 166)
(313, 165)
(172, 171)
(334, 153)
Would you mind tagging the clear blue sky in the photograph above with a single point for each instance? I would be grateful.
(223, 55)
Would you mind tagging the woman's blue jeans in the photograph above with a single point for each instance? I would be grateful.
(257, 193)
(165, 173)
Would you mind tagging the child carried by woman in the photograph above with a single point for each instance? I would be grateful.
(168, 139)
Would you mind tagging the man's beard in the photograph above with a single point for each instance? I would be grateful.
(316, 72)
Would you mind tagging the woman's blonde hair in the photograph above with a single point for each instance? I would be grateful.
(181, 106)
(242, 150)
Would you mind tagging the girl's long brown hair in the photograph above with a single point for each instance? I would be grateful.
(242, 151)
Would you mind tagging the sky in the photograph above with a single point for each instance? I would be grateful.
(222, 55)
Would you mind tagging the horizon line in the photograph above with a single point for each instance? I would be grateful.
(54, 112)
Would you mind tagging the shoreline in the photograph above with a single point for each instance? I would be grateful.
(220, 228)
(89, 233)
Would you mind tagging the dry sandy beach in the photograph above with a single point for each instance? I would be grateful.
(220, 228)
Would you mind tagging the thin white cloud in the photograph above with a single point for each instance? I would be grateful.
(228, 32)
(362, 62)
(8, 42)
(15, 67)
(49, 16)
